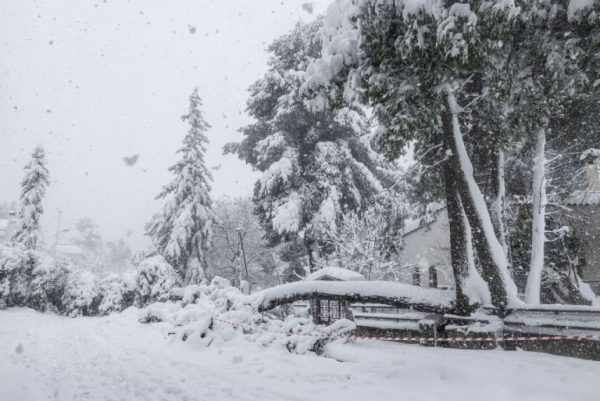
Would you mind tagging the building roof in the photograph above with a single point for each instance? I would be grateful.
(335, 273)
(414, 225)
(69, 249)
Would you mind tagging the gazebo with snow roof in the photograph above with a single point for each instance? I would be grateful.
(326, 311)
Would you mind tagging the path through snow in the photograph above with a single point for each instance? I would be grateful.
(46, 357)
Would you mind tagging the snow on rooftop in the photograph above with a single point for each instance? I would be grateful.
(3, 224)
(69, 249)
(336, 273)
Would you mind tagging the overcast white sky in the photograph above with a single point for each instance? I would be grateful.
(94, 81)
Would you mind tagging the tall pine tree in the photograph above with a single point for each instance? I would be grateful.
(182, 232)
(315, 166)
(33, 189)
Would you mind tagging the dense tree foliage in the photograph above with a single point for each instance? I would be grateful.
(315, 166)
(182, 232)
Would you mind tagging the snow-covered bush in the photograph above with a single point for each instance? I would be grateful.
(37, 280)
(82, 294)
(155, 277)
(213, 314)
(117, 292)
(15, 265)
(48, 282)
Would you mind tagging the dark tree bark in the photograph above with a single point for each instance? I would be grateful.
(309, 245)
(490, 269)
(458, 245)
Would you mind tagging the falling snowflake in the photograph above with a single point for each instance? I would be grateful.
(308, 7)
(131, 160)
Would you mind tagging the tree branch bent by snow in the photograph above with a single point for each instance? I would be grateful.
(382, 292)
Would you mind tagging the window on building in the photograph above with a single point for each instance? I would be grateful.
(433, 277)
(416, 276)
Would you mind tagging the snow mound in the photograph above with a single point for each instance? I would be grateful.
(211, 315)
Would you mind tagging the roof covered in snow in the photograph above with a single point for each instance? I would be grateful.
(335, 273)
(69, 249)
(414, 225)
(3, 224)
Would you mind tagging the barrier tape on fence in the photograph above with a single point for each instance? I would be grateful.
(452, 340)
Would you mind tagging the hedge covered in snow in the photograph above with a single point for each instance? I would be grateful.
(37, 280)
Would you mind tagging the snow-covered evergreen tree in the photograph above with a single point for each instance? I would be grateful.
(154, 278)
(33, 189)
(182, 232)
(315, 166)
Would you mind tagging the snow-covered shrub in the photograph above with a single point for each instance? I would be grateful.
(306, 336)
(158, 312)
(16, 264)
(155, 277)
(192, 293)
(117, 292)
(82, 294)
(213, 314)
(48, 283)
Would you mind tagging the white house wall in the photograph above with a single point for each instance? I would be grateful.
(426, 247)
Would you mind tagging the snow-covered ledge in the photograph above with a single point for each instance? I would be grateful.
(384, 292)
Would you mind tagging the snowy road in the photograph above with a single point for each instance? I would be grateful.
(45, 357)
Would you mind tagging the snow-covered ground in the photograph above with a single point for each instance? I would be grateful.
(47, 357)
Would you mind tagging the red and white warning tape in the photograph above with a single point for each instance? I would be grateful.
(452, 340)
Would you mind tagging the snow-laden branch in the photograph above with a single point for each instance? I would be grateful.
(383, 292)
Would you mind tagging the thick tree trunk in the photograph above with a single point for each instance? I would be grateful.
(309, 244)
(494, 264)
(498, 205)
(538, 226)
(458, 245)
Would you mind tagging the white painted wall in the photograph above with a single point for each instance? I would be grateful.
(429, 246)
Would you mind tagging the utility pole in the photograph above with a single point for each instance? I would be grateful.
(241, 239)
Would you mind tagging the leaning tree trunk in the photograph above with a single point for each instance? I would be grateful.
(494, 264)
(498, 204)
(458, 245)
(538, 225)
(309, 244)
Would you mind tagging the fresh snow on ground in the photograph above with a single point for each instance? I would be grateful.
(47, 357)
